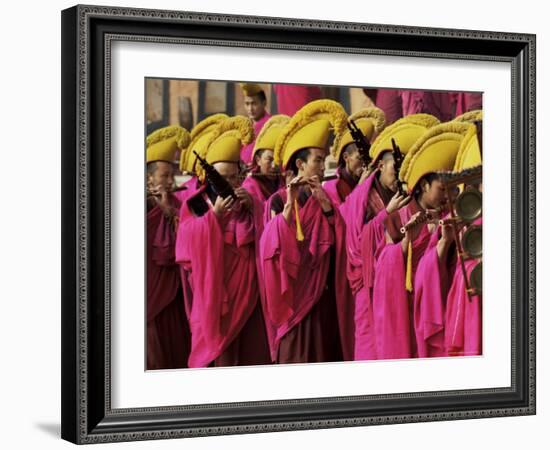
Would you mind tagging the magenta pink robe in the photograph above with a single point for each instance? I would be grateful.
(247, 150)
(291, 97)
(192, 186)
(363, 243)
(392, 303)
(431, 286)
(218, 258)
(296, 274)
(463, 333)
(167, 329)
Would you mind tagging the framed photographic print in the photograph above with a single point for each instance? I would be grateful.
(276, 224)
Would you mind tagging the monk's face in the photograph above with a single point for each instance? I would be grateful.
(264, 160)
(433, 194)
(162, 175)
(314, 165)
(354, 164)
(388, 175)
(230, 171)
(255, 107)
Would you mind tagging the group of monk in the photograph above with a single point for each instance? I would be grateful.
(295, 268)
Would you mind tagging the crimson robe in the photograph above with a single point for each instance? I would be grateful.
(365, 213)
(463, 333)
(248, 149)
(308, 300)
(389, 101)
(438, 104)
(339, 188)
(218, 260)
(291, 97)
(467, 101)
(168, 337)
(392, 303)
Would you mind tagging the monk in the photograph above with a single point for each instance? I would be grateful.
(350, 164)
(217, 253)
(437, 304)
(302, 248)
(264, 178)
(255, 105)
(168, 338)
(394, 291)
(366, 212)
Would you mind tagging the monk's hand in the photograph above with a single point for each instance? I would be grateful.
(318, 193)
(397, 202)
(364, 175)
(223, 206)
(292, 188)
(244, 197)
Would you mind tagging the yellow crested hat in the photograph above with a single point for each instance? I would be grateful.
(368, 120)
(199, 135)
(310, 128)
(469, 153)
(251, 89)
(470, 116)
(406, 131)
(270, 131)
(163, 143)
(225, 142)
(436, 150)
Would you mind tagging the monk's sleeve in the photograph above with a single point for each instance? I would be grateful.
(390, 305)
(372, 239)
(280, 258)
(429, 304)
(161, 233)
(203, 246)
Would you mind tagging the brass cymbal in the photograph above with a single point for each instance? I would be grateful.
(472, 241)
(468, 204)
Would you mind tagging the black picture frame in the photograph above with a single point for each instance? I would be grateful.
(87, 33)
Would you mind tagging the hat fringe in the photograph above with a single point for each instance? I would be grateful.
(315, 110)
(181, 134)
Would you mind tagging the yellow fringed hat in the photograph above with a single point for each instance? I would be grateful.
(469, 153)
(251, 89)
(405, 131)
(225, 142)
(436, 150)
(199, 139)
(310, 128)
(368, 120)
(267, 138)
(163, 143)
(470, 116)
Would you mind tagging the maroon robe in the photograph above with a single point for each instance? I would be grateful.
(219, 265)
(309, 304)
(338, 189)
(168, 339)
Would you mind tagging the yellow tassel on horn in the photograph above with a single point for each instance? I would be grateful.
(408, 275)
(299, 232)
